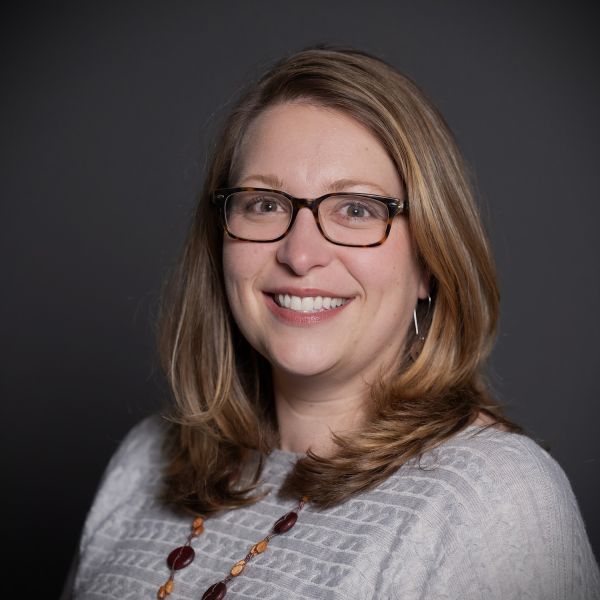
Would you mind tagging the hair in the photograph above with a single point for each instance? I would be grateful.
(223, 421)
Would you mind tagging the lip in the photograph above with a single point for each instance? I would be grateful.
(302, 319)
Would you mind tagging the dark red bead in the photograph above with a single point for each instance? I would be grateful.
(286, 522)
(216, 591)
(180, 557)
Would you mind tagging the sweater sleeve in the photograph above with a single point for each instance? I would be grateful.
(523, 537)
(137, 460)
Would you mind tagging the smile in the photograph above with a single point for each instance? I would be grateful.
(308, 303)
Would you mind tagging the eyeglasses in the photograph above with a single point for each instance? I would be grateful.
(343, 218)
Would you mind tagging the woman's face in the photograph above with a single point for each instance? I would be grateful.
(308, 151)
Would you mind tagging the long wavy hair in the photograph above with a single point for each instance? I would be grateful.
(223, 420)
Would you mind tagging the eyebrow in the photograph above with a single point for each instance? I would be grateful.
(270, 180)
(338, 185)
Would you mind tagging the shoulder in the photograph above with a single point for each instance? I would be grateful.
(142, 445)
(502, 517)
(497, 461)
(496, 476)
(140, 451)
(480, 464)
(126, 518)
(135, 468)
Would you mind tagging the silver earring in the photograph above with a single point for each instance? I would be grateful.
(417, 345)
(416, 322)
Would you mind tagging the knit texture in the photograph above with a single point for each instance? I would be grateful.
(487, 515)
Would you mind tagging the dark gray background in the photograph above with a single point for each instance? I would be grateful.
(107, 111)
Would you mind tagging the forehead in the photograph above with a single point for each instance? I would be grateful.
(306, 147)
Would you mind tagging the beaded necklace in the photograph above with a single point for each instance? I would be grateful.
(183, 556)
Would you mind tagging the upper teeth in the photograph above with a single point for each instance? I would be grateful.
(308, 302)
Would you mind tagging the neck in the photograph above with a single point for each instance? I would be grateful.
(309, 410)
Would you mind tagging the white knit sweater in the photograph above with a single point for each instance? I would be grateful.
(488, 515)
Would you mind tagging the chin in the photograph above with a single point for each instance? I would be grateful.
(300, 361)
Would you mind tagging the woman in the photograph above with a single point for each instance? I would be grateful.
(333, 435)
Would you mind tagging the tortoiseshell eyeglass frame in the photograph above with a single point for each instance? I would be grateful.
(394, 207)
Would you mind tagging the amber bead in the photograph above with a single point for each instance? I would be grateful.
(180, 557)
(216, 591)
(238, 568)
(162, 592)
(169, 586)
(198, 530)
(198, 521)
(260, 547)
(286, 522)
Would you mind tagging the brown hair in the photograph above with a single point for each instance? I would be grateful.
(224, 415)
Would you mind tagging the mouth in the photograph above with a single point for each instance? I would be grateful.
(308, 303)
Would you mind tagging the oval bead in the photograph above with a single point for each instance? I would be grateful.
(237, 569)
(260, 547)
(197, 522)
(286, 522)
(180, 557)
(216, 591)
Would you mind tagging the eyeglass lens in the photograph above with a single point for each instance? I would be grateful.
(347, 219)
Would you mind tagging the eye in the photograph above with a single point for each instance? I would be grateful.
(358, 210)
(265, 204)
(257, 204)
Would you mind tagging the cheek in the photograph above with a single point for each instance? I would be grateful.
(401, 258)
(233, 267)
(390, 280)
(236, 276)
(243, 263)
(389, 268)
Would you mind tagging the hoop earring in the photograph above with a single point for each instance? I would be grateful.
(417, 345)
(416, 322)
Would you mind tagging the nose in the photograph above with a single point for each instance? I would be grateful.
(304, 247)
